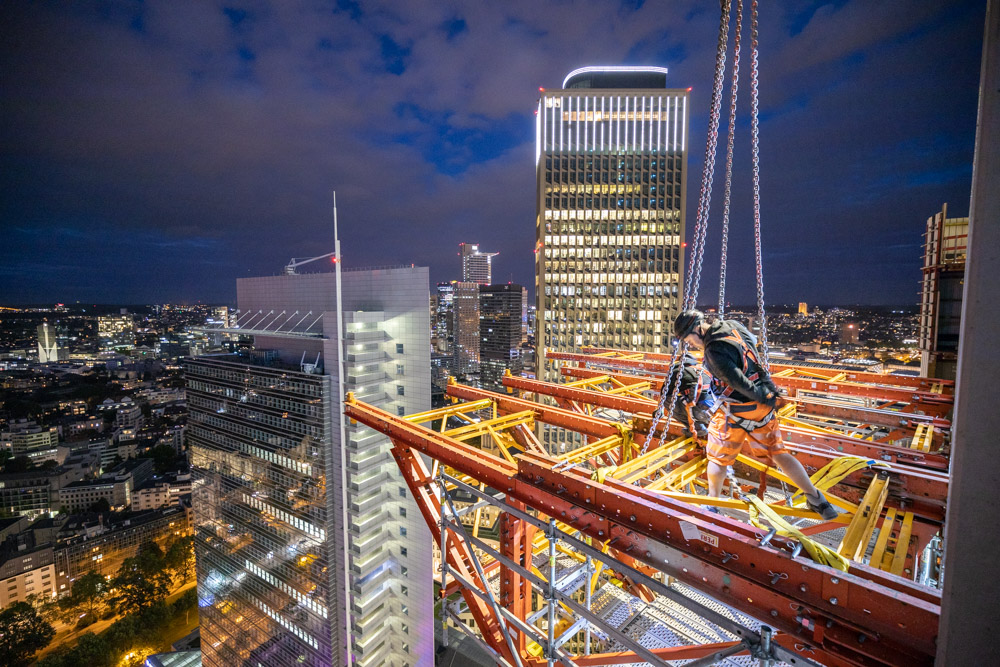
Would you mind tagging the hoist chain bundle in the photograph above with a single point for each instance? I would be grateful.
(671, 384)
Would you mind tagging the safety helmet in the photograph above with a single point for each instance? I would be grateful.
(686, 322)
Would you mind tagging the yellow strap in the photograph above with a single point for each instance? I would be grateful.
(819, 553)
(837, 469)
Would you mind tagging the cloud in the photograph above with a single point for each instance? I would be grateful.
(188, 144)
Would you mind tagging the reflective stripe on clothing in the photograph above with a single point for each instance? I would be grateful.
(726, 441)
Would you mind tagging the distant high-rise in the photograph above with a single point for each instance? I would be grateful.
(803, 308)
(477, 267)
(611, 167)
(309, 549)
(945, 247)
(48, 350)
(466, 312)
(499, 333)
(116, 332)
(849, 333)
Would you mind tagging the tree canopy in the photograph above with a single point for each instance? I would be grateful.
(23, 632)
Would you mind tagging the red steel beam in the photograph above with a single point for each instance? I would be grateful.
(923, 492)
(893, 419)
(863, 616)
(927, 402)
(457, 553)
(795, 435)
(921, 383)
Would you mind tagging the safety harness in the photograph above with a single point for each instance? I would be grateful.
(747, 415)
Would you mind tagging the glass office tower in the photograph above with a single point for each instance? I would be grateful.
(309, 549)
(611, 170)
(611, 158)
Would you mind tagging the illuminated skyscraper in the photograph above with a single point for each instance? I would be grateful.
(48, 350)
(803, 308)
(611, 167)
(477, 267)
(466, 312)
(499, 333)
(309, 549)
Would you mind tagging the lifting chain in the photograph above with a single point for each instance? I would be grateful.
(729, 157)
(669, 391)
(755, 143)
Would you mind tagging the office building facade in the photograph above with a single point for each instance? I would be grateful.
(466, 314)
(945, 248)
(309, 549)
(611, 168)
(477, 266)
(499, 333)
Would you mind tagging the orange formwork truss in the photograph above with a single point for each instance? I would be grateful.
(642, 529)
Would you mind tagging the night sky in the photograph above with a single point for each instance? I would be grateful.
(157, 151)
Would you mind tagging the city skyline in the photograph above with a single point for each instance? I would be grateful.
(147, 150)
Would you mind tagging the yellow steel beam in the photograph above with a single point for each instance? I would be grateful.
(632, 474)
(778, 475)
(449, 411)
(585, 382)
(859, 532)
(681, 475)
(501, 444)
(469, 431)
(595, 449)
(902, 545)
(879, 557)
(652, 455)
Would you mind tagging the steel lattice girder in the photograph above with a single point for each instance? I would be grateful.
(928, 402)
(870, 448)
(924, 491)
(904, 424)
(863, 617)
(921, 383)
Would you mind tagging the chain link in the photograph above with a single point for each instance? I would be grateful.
(755, 142)
(671, 383)
(708, 172)
(729, 157)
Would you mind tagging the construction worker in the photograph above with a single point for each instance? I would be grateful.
(747, 418)
(695, 400)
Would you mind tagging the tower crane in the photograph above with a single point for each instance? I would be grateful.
(295, 263)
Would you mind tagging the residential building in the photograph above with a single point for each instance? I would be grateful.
(500, 333)
(25, 572)
(611, 171)
(945, 247)
(26, 438)
(32, 494)
(152, 496)
(477, 266)
(467, 328)
(96, 546)
(81, 496)
(309, 548)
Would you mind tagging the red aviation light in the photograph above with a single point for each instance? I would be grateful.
(684, 245)
(333, 260)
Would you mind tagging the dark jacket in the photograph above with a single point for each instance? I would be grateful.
(699, 398)
(727, 361)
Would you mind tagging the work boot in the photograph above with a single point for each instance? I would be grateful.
(822, 506)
